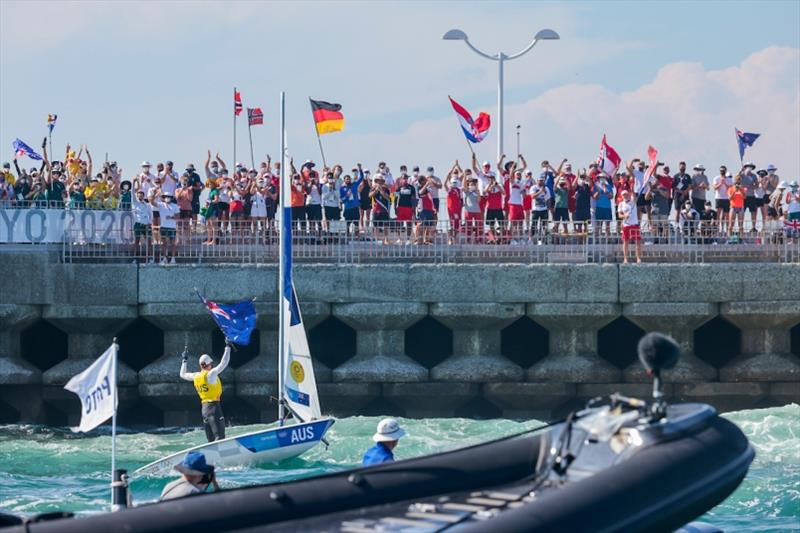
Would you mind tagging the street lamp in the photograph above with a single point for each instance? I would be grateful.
(500, 57)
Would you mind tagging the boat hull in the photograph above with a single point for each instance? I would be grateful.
(258, 447)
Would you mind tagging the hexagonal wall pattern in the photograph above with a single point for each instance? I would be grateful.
(717, 342)
(429, 342)
(524, 342)
(140, 343)
(43, 345)
(616, 342)
(795, 340)
(332, 341)
(240, 355)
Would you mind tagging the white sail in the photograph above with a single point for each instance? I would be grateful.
(299, 382)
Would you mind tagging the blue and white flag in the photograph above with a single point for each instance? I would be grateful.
(237, 321)
(20, 149)
(745, 140)
(97, 388)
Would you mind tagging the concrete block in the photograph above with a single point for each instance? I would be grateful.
(380, 316)
(689, 369)
(538, 400)
(379, 369)
(591, 283)
(785, 393)
(69, 403)
(430, 399)
(573, 316)
(322, 283)
(18, 316)
(259, 395)
(81, 345)
(768, 315)
(221, 282)
(66, 369)
(172, 396)
(383, 283)
(167, 370)
(88, 284)
(724, 397)
(762, 367)
(195, 341)
(262, 369)
(27, 278)
(584, 368)
(677, 283)
(527, 283)
(106, 319)
(387, 342)
(453, 283)
(27, 401)
(177, 316)
(469, 316)
(345, 399)
(768, 282)
(16, 371)
(477, 369)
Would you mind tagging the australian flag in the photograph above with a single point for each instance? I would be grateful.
(237, 321)
(20, 149)
(744, 140)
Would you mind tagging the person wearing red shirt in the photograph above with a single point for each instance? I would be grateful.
(516, 210)
(380, 195)
(494, 204)
(455, 202)
(405, 198)
(426, 225)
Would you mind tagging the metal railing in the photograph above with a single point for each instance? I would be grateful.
(257, 242)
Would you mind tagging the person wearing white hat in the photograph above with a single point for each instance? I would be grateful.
(699, 187)
(145, 181)
(209, 387)
(385, 438)
(771, 181)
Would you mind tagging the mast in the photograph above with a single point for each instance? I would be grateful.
(285, 234)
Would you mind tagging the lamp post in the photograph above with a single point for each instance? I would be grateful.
(500, 57)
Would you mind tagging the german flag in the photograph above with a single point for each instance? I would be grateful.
(327, 116)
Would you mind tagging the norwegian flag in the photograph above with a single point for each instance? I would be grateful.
(237, 102)
(609, 159)
(255, 116)
(475, 130)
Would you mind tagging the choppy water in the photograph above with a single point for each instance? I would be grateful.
(45, 469)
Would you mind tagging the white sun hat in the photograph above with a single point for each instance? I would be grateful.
(205, 359)
(388, 430)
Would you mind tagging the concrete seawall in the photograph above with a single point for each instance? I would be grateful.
(415, 340)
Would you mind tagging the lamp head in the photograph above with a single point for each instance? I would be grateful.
(457, 35)
(541, 35)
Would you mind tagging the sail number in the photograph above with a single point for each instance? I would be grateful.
(303, 434)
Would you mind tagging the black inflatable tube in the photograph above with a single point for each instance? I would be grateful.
(659, 489)
(471, 468)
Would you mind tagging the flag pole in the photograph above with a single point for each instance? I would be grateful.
(234, 129)
(285, 237)
(319, 139)
(114, 421)
(250, 134)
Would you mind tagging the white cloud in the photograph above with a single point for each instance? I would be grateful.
(686, 112)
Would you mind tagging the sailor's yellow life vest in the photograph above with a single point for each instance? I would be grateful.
(208, 392)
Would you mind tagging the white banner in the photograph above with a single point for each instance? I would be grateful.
(97, 388)
(36, 225)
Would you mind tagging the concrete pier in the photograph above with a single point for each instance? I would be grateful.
(416, 340)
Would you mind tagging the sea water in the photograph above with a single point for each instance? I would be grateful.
(46, 469)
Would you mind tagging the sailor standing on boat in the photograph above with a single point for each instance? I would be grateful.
(209, 388)
(389, 432)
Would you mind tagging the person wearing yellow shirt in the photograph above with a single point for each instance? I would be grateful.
(6, 173)
(208, 385)
(95, 192)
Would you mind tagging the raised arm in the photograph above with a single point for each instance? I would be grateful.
(221, 162)
(223, 364)
(88, 162)
(560, 166)
(208, 160)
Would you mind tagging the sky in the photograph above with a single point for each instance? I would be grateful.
(154, 80)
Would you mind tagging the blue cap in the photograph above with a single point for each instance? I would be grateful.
(194, 464)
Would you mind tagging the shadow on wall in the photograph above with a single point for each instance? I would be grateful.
(332, 342)
(717, 342)
(617, 342)
(429, 342)
(140, 343)
(43, 345)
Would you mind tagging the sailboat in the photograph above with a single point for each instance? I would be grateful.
(297, 386)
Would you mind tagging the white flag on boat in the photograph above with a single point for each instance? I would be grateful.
(97, 388)
(299, 382)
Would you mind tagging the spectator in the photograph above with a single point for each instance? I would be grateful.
(314, 202)
(330, 201)
(738, 199)
(627, 211)
(196, 185)
(142, 220)
(350, 196)
(169, 179)
(722, 183)
(6, 174)
(761, 195)
(583, 195)
(260, 193)
(690, 218)
(792, 202)
(681, 188)
(211, 213)
(748, 182)
(516, 209)
(224, 200)
(699, 187)
(434, 186)
(561, 203)
(473, 214)
(365, 189)
(708, 222)
(772, 182)
(603, 192)
(494, 204)
(426, 216)
(659, 196)
(298, 198)
(380, 196)
(169, 218)
(455, 201)
(184, 196)
(540, 197)
(642, 203)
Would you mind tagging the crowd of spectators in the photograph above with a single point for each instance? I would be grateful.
(508, 202)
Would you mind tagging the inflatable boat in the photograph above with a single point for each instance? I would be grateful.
(620, 464)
